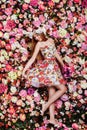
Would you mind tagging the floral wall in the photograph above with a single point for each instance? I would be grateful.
(63, 20)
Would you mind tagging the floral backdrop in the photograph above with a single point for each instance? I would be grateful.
(65, 21)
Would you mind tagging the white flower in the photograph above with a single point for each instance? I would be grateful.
(27, 1)
(67, 59)
(84, 84)
(14, 99)
(56, 1)
(14, 17)
(6, 35)
(75, 94)
(3, 0)
(13, 89)
(36, 94)
(62, 32)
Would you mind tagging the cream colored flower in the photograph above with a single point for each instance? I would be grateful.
(6, 36)
(56, 1)
(13, 89)
(67, 59)
(14, 17)
(27, 1)
(14, 99)
(12, 75)
(62, 32)
(75, 94)
(84, 84)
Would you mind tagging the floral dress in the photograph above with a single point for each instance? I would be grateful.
(47, 71)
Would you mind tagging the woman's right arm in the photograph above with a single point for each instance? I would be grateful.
(32, 59)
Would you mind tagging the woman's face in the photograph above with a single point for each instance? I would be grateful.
(37, 37)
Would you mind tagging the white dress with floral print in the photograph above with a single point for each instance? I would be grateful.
(46, 72)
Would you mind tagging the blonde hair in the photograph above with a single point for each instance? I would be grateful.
(34, 42)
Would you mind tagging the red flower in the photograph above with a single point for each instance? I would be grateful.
(76, 1)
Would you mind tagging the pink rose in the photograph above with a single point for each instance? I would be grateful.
(8, 11)
(3, 88)
(42, 18)
(85, 93)
(11, 110)
(23, 93)
(25, 6)
(75, 126)
(37, 23)
(55, 34)
(64, 97)
(8, 47)
(1, 26)
(22, 117)
(34, 2)
(59, 104)
(41, 7)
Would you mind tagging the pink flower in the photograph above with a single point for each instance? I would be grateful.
(59, 104)
(84, 3)
(37, 23)
(3, 88)
(85, 93)
(23, 93)
(41, 7)
(64, 97)
(55, 34)
(34, 2)
(75, 126)
(76, 1)
(1, 26)
(84, 46)
(42, 18)
(9, 25)
(22, 117)
(25, 6)
(8, 11)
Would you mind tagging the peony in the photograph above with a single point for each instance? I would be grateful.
(23, 93)
(36, 23)
(22, 117)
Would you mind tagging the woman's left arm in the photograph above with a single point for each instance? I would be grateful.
(59, 58)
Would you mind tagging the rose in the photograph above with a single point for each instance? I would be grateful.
(76, 1)
(25, 6)
(23, 93)
(22, 117)
(13, 89)
(75, 126)
(27, 1)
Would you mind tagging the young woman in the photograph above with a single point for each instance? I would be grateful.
(47, 73)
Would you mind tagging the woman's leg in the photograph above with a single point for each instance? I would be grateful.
(58, 93)
(51, 91)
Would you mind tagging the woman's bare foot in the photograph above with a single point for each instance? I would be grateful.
(44, 108)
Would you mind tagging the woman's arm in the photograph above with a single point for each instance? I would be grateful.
(32, 59)
(59, 58)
